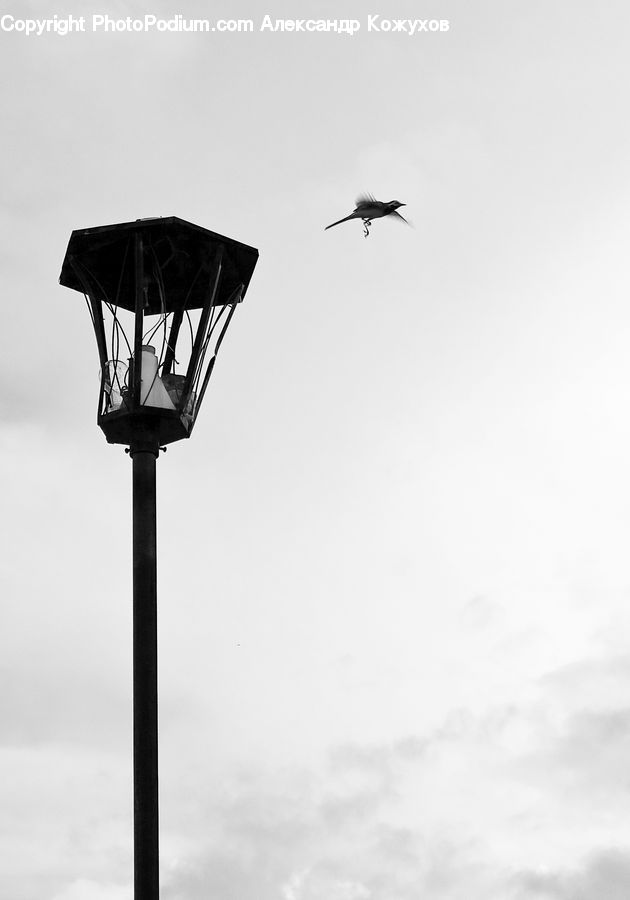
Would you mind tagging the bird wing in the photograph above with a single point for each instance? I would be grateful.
(395, 212)
(365, 200)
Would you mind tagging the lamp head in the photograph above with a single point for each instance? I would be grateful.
(149, 278)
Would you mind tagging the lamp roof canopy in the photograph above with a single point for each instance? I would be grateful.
(179, 261)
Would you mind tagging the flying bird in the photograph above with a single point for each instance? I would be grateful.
(369, 208)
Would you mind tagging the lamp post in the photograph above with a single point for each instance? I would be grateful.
(161, 294)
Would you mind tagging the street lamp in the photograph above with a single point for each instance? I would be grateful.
(161, 294)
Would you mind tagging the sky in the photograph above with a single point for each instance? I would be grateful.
(394, 628)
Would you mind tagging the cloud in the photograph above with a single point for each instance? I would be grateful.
(605, 876)
(582, 731)
(451, 813)
(84, 889)
(297, 835)
(65, 815)
(342, 832)
(598, 681)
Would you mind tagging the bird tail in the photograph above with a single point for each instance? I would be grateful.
(347, 218)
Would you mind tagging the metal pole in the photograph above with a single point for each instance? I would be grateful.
(145, 708)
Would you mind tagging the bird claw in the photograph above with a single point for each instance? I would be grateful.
(366, 226)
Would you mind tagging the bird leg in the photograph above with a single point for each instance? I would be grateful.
(366, 226)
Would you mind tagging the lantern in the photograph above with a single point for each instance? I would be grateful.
(161, 294)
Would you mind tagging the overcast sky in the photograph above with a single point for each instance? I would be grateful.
(394, 577)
